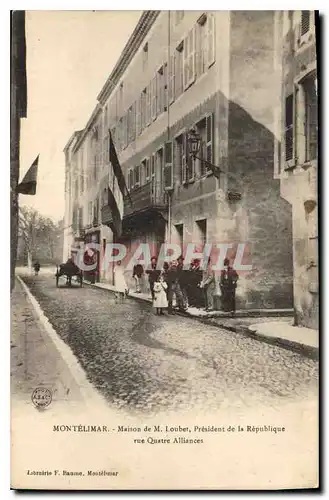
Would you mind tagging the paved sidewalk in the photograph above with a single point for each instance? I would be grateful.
(35, 360)
(272, 326)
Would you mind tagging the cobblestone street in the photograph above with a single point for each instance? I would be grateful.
(144, 363)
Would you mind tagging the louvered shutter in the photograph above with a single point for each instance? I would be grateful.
(171, 89)
(305, 22)
(209, 140)
(211, 39)
(289, 127)
(168, 166)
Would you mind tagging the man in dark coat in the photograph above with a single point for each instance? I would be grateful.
(36, 267)
(228, 283)
(181, 285)
(153, 275)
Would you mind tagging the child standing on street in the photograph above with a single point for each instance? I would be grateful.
(160, 296)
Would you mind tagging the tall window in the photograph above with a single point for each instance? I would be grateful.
(168, 166)
(131, 123)
(211, 42)
(154, 98)
(289, 128)
(201, 45)
(180, 158)
(161, 89)
(179, 78)
(137, 176)
(171, 80)
(189, 58)
(311, 117)
(205, 129)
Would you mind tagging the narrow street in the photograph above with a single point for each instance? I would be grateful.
(142, 362)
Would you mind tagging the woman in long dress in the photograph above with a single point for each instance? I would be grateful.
(160, 295)
(119, 281)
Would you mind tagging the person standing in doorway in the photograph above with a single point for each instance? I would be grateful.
(228, 284)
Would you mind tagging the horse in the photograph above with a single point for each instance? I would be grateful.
(69, 269)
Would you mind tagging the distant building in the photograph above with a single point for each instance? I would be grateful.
(18, 110)
(214, 71)
(297, 165)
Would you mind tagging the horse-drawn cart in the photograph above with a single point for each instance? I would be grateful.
(69, 270)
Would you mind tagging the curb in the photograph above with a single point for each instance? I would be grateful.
(303, 349)
(89, 394)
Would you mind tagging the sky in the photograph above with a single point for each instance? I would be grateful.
(70, 54)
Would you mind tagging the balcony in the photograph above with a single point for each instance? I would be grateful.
(147, 198)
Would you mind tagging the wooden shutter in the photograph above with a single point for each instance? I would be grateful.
(305, 22)
(185, 62)
(148, 104)
(154, 98)
(311, 115)
(147, 169)
(184, 156)
(209, 140)
(289, 127)
(137, 176)
(168, 166)
(171, 89)
(211, 39)
(165, 87)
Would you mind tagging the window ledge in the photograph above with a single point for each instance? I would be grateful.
(290, 165)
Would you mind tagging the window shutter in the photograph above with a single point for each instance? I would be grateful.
(137, 176)
(192, 55)
(165, 87)
(289, 127)
(168, 166)
(154, 98)
(305, 22)
(171, 89)
(209, 140)
(138, 116)
(211, 39)
(147, 169)
(184, 159)
(185, 62)
(148, 104)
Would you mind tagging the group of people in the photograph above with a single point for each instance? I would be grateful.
(192, 287)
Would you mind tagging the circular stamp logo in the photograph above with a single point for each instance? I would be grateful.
(41, 397)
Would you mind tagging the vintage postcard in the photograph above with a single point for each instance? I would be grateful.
(164, 250)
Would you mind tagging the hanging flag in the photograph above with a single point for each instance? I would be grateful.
(116, 213)
(118, 170)
(29, 182)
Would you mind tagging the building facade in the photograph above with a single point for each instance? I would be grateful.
(18, 110)
(217, 72)
(298, 161)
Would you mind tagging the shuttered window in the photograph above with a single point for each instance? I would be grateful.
(137, 176)
(171, 83)
(189, 161)
(179, 68)
(210, 39)
(154, 99)
(210, 140)
(168, 166)
(289, 127)
(311, 118)
(189, 59)
(138, 116)
(305, 22)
